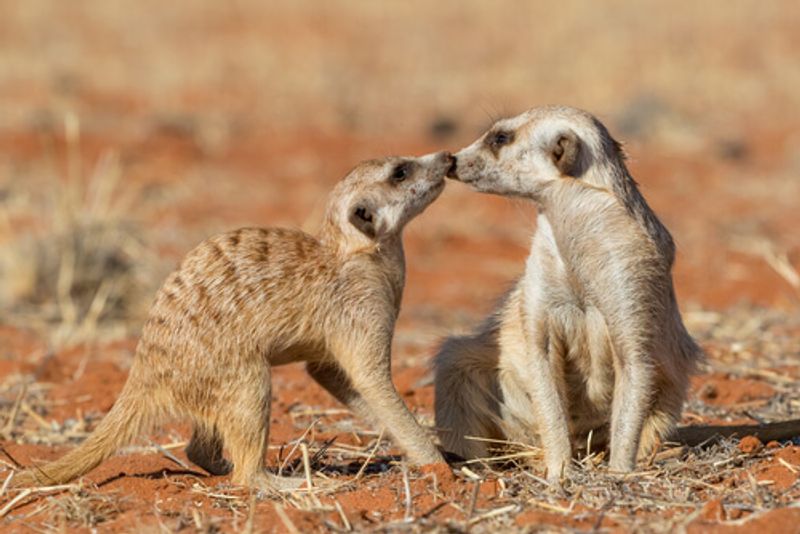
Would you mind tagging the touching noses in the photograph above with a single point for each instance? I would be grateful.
(451, 162)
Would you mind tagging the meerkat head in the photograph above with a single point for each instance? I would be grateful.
(520, 155)
(379, 197)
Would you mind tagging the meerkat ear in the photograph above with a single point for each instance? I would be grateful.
(362, 216)
(565, 151)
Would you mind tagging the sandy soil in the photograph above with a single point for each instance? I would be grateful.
(149, 128)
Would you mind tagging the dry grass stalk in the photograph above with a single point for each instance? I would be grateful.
(82, 508)
(776, 258)
(297, 443)
(369, 458)
(168, 455)
(345, 522)
(407, 490)
(285, 519)
(27, 492)
(306, 467)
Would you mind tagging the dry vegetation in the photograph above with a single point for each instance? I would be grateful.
(80, 266)
(677, 487)
(130, 132)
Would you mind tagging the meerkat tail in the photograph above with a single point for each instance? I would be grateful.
(128, 418)
(465, 403)
(702, 434)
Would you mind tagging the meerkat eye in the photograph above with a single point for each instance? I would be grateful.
(500, 138)
(401, 172)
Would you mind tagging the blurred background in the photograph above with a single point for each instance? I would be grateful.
(130, 131)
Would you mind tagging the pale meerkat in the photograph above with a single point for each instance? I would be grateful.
(245, 301)
(590, 340)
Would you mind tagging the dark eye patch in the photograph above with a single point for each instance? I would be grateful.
(497, 139)
(400, 172)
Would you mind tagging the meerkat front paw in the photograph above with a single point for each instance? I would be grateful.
(558, 476)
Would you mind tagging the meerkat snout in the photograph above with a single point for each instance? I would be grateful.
(446, 161)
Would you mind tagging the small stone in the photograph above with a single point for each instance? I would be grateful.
(750, 444)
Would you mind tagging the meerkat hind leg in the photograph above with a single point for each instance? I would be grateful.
(244, 428)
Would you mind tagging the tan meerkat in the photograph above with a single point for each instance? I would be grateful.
(590, 340)
(245, 301)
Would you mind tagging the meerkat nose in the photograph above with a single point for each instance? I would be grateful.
(452, 164)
